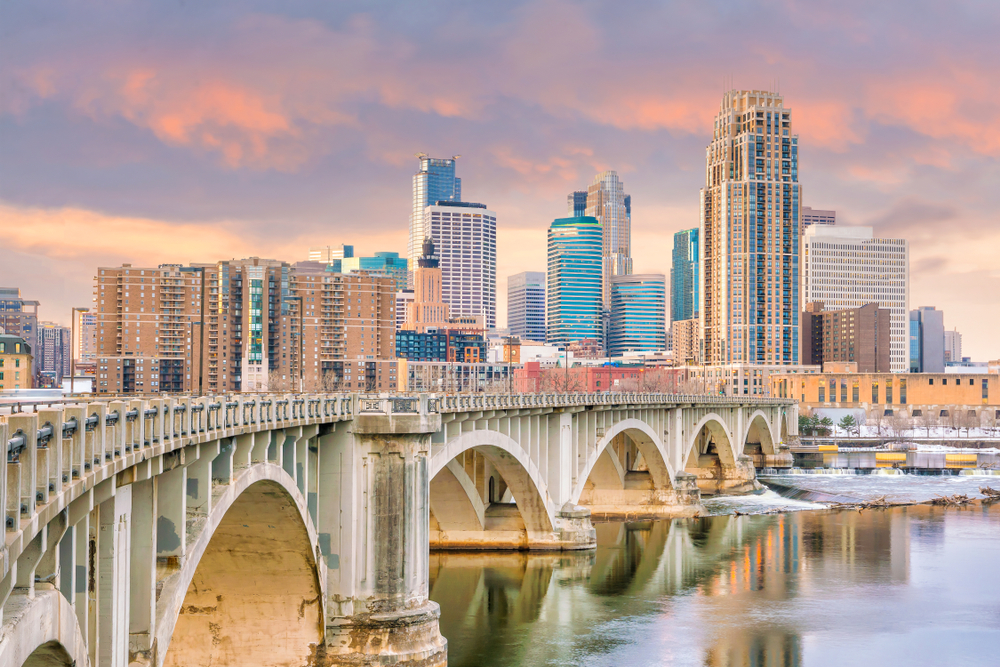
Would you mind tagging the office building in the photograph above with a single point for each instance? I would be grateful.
(526, 305)
(241, 325)
(952, 346)
(465, 239)
(573, 295)
(383, 263)
(15, 363)
(858, 336)
(638, 314)
(427, 308)
(19, 317)
(434, 182)
(422, 346)
(607, 201)
(684, 276)
(52, 354)
(332, 256)
(85, 345)
(926, 329)
(847, 267)
(577, 204)
(685, 341)
(749, 234)
(816, 216)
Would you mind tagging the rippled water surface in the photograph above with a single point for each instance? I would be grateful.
(907, 586)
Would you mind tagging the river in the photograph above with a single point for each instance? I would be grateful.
(913, 585)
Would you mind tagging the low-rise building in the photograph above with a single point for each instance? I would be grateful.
(15, 363)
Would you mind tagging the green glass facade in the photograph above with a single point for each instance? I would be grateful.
(638, 314)
(684, 276)
(573, 297)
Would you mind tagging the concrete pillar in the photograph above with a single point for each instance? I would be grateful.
(142, 599)
(393, 621)
(113, 571)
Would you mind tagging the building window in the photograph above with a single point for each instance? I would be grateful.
(874, 392)
(822, 394)
(902, 391)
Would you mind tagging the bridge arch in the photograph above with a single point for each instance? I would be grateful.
(649, 444)
(761, 430)
(51, 636)
(712, 427)
(519, 472)
(251, 569)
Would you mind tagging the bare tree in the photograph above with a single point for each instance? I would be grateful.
(558, 380)
(954, 418)
(277, 382)
(899, 424)
(876, 417)
(968, 419)
(928, 419)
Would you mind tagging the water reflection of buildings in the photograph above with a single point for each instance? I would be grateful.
(715, 573)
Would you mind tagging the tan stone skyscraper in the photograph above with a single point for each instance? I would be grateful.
(607, 201)
(749, 233)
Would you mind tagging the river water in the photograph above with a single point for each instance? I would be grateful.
(907, 586)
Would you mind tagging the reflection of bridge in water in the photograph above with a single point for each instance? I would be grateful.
(706, 577)
(183, 531)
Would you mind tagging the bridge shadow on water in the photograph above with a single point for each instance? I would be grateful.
(715, 591)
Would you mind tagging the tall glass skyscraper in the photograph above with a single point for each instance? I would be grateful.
(577, 203)
(638, 314)
(684, 276)
(575, 278)
(749, 233)
(434, 181)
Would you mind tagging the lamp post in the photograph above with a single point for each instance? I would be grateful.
(72, 351)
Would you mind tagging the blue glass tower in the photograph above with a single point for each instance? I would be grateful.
(638, 314)
(434, 181)
(576, 247)
(389, 263)
(684, 276)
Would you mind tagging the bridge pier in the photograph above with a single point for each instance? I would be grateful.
(641, 500)
(382, 614)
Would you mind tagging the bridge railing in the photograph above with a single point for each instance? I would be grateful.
(469, 402)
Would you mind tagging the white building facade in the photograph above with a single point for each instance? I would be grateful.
(526, 305)
(847, 267)
(465, 239)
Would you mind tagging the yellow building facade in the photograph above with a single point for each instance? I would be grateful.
(903, 392)
(15, 363)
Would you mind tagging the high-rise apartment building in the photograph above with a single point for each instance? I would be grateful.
(19, 317)
(927, 350)
(526, 305)
(53, 353)
(749, 233)
(465, 240)
(607, 201)
(952, 346)
(85, 345)
(403, 300)
(847, 267)
(241, 325)
(857, 336)
(816, 216)
(638, 314)
(427, 309)
(685, 341)
(684, 276)
(575, 278)
(435, 181)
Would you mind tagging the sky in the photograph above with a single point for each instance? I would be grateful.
(176, 132)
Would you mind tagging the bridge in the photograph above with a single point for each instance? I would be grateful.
(295, 529)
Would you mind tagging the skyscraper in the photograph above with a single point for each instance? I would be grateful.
(85, 345)
(606, 201)
(846, 267)
(427, 307)
(384, 263)
(952, 346)
(684, 276)
(573, 297)
(749, 233)
(52, 356)
(465, 238)
(577, 203)
(816, 216)
(331, 255)
(526, 305)
(19, 317)
(638, 314)
(434, 181)
(927, 323)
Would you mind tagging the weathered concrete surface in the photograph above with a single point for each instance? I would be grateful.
(713, 478)
(255, 597)
(640, 500)
(41, 630)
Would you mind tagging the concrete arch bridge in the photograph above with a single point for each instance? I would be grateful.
(295, 529)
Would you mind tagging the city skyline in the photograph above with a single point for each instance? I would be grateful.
(154, 152)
